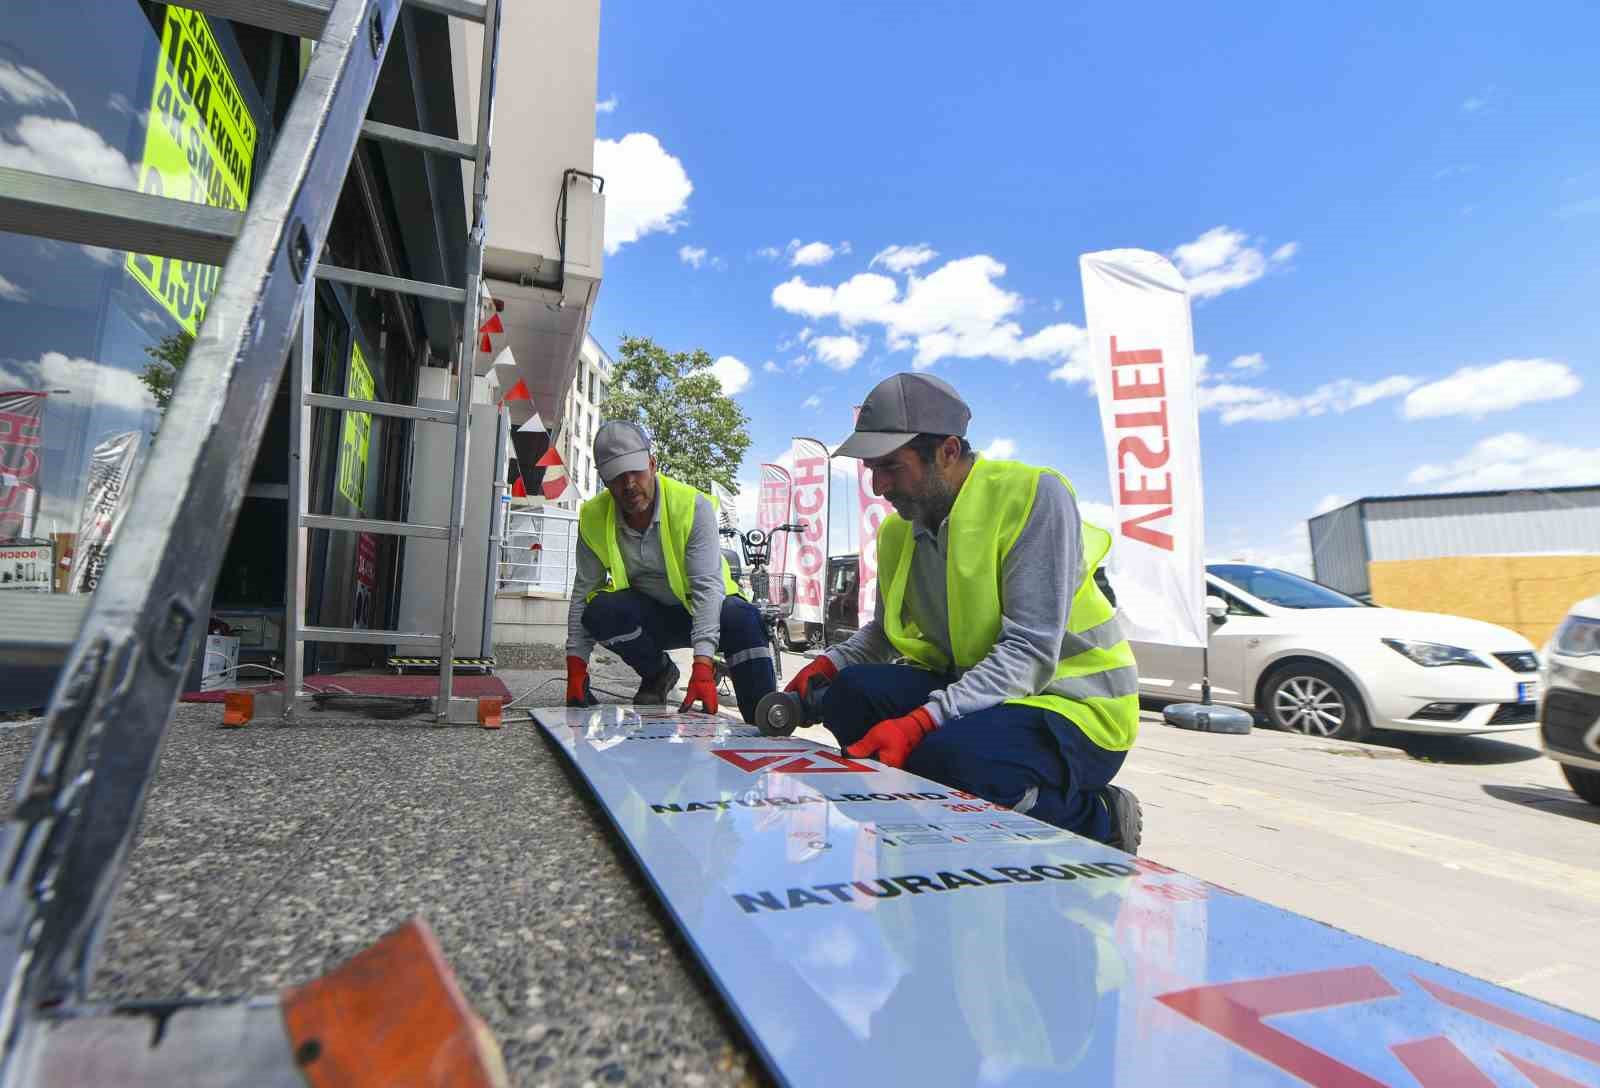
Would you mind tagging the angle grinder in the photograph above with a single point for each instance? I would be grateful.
(782, 712)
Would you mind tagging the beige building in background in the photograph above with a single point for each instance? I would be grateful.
(1515, 558)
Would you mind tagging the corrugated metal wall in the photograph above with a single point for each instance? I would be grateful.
(1338, 550)
(1522, 523)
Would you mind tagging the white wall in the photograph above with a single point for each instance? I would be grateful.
(544, 115)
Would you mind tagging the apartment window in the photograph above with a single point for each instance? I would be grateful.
(591, 388)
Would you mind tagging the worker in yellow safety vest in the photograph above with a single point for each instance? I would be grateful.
(651, 577)
(994, 663)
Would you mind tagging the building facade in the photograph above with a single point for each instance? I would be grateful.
(165, 100)
(1516, 558)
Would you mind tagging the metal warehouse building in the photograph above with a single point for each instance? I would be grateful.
(1516, 558)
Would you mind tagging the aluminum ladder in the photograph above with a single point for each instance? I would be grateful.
(82, 792)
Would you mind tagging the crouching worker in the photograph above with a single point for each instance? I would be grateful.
(1019, 686)
(651, 578)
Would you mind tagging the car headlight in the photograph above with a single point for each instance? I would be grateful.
(1432, 655)
(1578, 637)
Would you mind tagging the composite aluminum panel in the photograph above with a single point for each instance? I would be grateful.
(866, 926)
(1515, 523)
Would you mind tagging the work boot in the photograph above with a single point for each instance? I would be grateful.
(656, 689)
(1127, 819)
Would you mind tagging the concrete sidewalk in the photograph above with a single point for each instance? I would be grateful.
(273, 853)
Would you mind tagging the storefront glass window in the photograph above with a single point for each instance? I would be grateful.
(131, 96)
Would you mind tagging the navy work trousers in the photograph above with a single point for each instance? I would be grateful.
(1032, 760)
(640, 629)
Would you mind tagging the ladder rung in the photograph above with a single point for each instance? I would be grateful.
(297, 18)
(378, 282)
(369, 525)
(426, 141)
(471, 10)
(306, 18)
(366, 635)
(379, 408)
(99, 215)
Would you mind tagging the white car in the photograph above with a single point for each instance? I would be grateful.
(1569, 724)
(1312, 660)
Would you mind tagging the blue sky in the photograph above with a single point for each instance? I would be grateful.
(1394, 220)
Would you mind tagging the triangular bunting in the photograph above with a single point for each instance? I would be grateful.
(517, 392)
(553, 488)
(485, 345)
(517, 490)
(494, 325)
(534, 423)
(550, 459)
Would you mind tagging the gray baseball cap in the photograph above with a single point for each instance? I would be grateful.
(901, 407)
(620, 446)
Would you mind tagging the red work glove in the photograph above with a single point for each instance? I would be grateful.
(821, 666)
(702, 687)
(892, 739)
(578, 693)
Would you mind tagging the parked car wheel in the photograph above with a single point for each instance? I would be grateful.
(1305, 697)
(1584, 782)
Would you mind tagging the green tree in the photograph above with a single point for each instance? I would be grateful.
(167, 357)
(698, 433)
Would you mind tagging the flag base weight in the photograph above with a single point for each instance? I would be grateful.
(1208, 718)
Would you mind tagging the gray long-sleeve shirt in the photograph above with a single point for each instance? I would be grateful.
(1039, 577)
(646, 565)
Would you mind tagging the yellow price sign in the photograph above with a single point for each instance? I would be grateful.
(357, 434)
(199, 145)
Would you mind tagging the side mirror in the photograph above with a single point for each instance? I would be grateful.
(1216, 608)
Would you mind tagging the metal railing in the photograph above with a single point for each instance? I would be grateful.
(538, 551)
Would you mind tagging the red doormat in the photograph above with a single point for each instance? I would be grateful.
(471, 687)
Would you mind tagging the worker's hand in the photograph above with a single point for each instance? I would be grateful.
(891, 740)
(702, 687)
(578, 692)
(821, 666)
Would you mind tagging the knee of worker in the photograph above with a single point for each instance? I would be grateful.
(741, 625)
(610, 615)
(852, 698)
(949, 754)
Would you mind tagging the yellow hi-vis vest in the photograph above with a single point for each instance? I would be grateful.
(597, 525)
(1095, 685)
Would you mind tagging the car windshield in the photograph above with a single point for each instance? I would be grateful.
(1280, 587)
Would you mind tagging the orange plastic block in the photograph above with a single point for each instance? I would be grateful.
(238, 707)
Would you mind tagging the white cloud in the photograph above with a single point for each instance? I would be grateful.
(1295, 561)
(30, 87)
(813, 401)
(771, 253)
(10, 292)
(1202, 366)
(1238, 403)
(771, 367)
(693, 256)
(810, 254)
(1511, 460)
(838, 352)
(1330, 502)
(1476, 391)
(1474, 103)
(100, 255)
(88, 382)
(746, 503)
(608, 106)
(1222, 260)
(732, 373)
(1001, 449)
(903, 258)
(1248, 362)
(66, 149)
(1102, 514)
(955, 312)
(647, 188)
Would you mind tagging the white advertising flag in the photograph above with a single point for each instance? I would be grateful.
(1142, 345)
(874, 509)
(110, 477)
(772, 510)
(808, 560)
